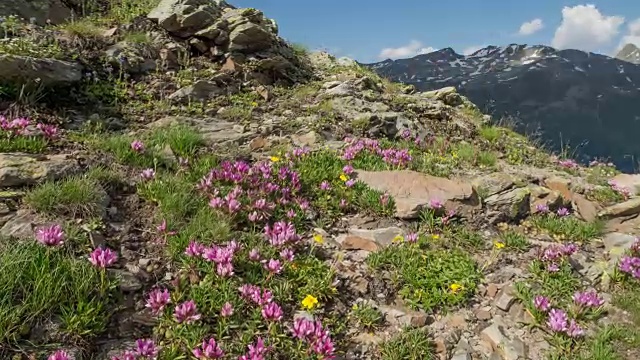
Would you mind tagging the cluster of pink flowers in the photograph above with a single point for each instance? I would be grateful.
(318, 338)
(568, 163)
(19, 126)
(54, 236)
(542, 208)
(145, 349)
(595, 163)
(412, 237)
(281, 233)
(559, 322)
(553, 255)
(630, 264)
(625, 192)
(298, 153)
(254, 189)
(256, 351)
(395, 157)
(588, 299)
(222, 256)
(209, 350)
(255, 294)
(271, 311)
(407, 135)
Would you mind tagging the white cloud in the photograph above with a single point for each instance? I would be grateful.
(531, 27)
(584, 27)
(413, 48)
(633, 34)
(471, 49)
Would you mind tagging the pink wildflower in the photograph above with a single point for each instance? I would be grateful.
(273, 266)
(59, 355)
(272, 312)
(436, 204)
(137, 146)
(541, 303)
(558, 320)
(194, 249)
(254, 254)
(325, 185)
(157, 300)
(186, 312)
(50, 236)
(49, 131)
(209, 350)
(287, 254)
(147, 174)
(146, 348)
(256, 351)
(226, 310)
(103, 257)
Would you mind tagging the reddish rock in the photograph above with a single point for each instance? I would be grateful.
(258, 143)
(561, 185)
(351, 242)
(587, 210)
(492, 290)
(412, 191)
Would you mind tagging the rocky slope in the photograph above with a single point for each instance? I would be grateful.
(176, 188)
(570, 98)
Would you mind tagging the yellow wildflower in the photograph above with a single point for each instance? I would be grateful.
(498, 245)
(455, 287)
(309, 302)
(343, 177)
(275, 159)
(435, 236)
(318, 239)
(398, 238)
(254, 104)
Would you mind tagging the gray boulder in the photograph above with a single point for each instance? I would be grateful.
(14, 68)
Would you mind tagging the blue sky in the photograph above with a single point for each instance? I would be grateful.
(375, 29)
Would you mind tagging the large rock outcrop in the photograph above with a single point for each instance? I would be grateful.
(14, 68)
(245, 36)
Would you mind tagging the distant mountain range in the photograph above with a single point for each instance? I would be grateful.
(585, 101)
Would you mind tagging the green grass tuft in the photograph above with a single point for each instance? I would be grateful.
(79, 195)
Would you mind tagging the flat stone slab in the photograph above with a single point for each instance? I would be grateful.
(412, 190)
